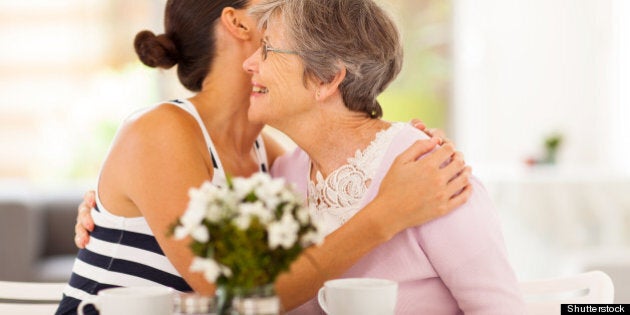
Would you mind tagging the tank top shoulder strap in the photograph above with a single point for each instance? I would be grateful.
(261, 153)
(219, 173)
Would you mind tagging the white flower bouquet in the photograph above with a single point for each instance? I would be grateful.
(245, 234)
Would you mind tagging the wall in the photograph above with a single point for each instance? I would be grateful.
(621, 83)
(526, 69)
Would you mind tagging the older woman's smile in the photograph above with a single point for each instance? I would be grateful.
(259, 89)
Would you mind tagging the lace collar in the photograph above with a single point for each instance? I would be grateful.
(340, 192)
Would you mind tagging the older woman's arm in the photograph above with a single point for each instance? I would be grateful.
(467, 250)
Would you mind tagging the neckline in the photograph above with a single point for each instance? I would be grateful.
(340, 195)
(358, 153)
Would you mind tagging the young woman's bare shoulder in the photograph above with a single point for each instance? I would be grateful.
(163, 118)
(160, 129)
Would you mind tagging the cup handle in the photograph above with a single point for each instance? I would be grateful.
(87, 302)
(321, 299)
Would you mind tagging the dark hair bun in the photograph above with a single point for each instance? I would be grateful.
(156, 51)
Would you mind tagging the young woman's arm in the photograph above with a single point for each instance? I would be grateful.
(273, 148)
(397, 207)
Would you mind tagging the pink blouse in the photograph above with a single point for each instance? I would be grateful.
(452, 265)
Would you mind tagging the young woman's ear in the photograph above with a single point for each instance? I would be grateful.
(238, 23)
(326, 89)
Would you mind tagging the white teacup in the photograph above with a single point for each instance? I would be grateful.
(132, 300)
(358, 296)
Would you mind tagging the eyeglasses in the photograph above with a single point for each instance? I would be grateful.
(266, 49)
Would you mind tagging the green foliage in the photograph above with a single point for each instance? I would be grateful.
(90, 153)
(247, 253)
(553, 141)
(403, 104)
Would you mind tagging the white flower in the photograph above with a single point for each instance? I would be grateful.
(302, 215)
(312, 237)
(270, 200)
(226, 271)
(211, 269)
(257, 180)
(283, 233)
(242, 187)
(229, 202)
(198, 233)
(214, 213)
(257, 209)
(206, 192)
(180, 232)
(260, 178)
(289, 196)
(271, 188)
(242, 221)
(191, 223)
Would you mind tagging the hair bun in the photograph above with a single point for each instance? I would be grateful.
(156, 51)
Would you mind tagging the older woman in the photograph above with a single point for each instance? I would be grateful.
(162, 151)
(316, 77)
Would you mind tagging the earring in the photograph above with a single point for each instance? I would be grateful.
(317, 94)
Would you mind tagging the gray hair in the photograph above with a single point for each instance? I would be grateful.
(329, 34)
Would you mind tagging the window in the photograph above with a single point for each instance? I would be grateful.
(422, 89)
(528, 69)
(68, 77)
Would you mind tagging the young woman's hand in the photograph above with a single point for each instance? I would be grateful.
(417, 190)
(432, 132)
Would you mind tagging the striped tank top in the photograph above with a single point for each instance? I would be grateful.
(123, 252)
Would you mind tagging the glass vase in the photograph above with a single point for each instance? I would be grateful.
(260, 300)
(194, 304)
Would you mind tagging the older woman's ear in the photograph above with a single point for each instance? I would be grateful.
(326, 89)
(238, 23)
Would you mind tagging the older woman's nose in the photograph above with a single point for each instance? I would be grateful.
(250, 65)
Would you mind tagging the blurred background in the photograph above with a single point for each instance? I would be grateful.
(535, 93)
